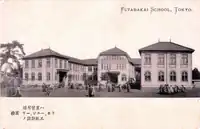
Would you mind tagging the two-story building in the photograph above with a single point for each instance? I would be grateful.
(48, 66)
(115, 61)
(166, 63)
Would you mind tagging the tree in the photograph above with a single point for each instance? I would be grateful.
(195, 73)
(12, 53)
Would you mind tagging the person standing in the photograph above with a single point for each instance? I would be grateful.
(109, 86)
(120, 88)
(90, 90)
(93, 91)
(17, 86)
(128, 87)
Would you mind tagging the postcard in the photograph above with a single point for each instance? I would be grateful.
(99, 64)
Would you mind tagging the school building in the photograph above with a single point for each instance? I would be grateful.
(48, 66)
(166, 63)
(160, 63)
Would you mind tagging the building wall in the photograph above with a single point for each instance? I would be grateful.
(154, 68)
(44, 69)
(114, 65)
(77, 71)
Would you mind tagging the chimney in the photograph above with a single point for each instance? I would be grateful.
(170, 39)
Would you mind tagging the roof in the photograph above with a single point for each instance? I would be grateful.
(75, 60)
(166, 46)
(90, 61)
(50, 53)
(136, 61)
(45, 53)
(116, 52)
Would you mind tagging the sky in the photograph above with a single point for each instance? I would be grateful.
(84, 28)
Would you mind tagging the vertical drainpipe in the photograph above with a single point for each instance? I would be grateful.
(166, 70)
(52, 69)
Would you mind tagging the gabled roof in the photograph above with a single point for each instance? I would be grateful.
(50, 53)
(45, 53)
(166, 46)
(116, 52)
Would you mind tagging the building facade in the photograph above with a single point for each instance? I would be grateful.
(115, 61)
(48, 66)
(166, 63)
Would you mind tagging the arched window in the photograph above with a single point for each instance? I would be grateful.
(124, 77)
(147, 76)
(40, 76)
(26, 76)
(184, 76)
(172, 76)
(48, 76)
(32, 76)
(161, 76)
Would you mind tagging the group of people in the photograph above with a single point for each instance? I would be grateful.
(90, 89)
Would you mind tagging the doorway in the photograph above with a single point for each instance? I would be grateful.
(113, 77)
(61, 76)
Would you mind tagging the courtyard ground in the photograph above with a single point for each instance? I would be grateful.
(62, 92)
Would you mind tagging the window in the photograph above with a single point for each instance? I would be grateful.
(147, 59)
(95, 68)
(48, 76)
(161, 59)
(70, 77)
(105, 66)
(56, 63)
(40, 76)
(101, 66)
(124, 77)
(172, 76)
(32, 76)
(65, 64)
(26, 76)
(90, 68)
(109, 67)
(173, 59)
(74, 67)
(147, 76)
(70, 66)
(119, 66)
(161, 76)
(184, 76)
(184, 59)
(33, 64)
(40, 63)
(48, 63)
(26, 64)
(123, 66)
(60, 63)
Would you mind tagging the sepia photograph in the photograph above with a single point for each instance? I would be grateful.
(99, 64)
(67, 49)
